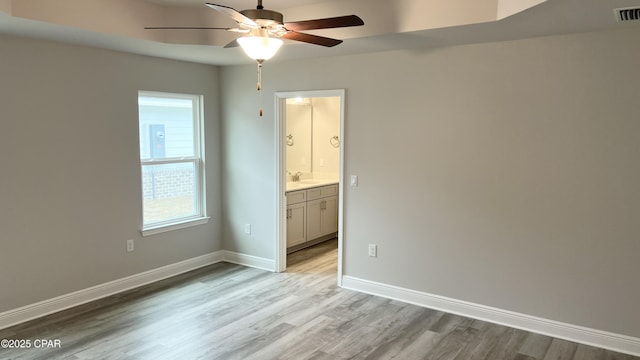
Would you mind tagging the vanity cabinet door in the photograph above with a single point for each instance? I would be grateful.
(329, 215)
(314, 219)
(296, 224)
(322, 217)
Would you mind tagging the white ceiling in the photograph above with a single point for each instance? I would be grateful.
(389, 25)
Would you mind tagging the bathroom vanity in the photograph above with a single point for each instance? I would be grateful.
(312, 212)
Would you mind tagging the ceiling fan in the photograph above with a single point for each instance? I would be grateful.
(266, 27)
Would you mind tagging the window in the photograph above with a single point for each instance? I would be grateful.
(171, 158)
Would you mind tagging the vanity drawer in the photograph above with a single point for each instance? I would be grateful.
(295, 197)
(314, 193)
(330, 190)
(322, 191)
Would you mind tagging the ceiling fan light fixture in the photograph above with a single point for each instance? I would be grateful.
(264, 28)
(260, 47)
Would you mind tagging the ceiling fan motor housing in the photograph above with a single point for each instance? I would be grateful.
(262, 14)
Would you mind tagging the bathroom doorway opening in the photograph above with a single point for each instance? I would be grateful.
(309, 138)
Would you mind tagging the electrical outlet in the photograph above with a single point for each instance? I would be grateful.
(247, 229)
(373, 250)
(130, 246)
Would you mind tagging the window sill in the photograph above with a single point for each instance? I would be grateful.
(152, 230)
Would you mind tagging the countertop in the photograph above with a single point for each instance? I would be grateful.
(308, 184)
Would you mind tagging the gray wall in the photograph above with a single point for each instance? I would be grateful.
(70, 186)
(505, 174)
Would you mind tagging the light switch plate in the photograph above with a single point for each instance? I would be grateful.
(354, 180)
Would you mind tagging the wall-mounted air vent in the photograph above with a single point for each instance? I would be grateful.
(627, 14)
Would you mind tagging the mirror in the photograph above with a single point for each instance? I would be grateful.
(298, 135)
(312, 141)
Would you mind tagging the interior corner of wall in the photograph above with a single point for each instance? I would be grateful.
(507, 8)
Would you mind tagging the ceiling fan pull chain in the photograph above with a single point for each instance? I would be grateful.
(260, 84)
(260, 77)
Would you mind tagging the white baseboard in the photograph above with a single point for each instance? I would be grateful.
(50, 306)
(249, 260)
(616, 342)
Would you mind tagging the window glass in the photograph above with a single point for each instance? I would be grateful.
(170, 158)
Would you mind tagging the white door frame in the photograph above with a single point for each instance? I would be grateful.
(281, 179)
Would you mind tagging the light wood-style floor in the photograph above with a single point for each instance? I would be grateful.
(227, 311)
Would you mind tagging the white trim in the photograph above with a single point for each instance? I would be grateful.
(280, 246)
(174, 226)
(280, 163)
(341, 186)
(607, 340)
(197, 159)
(46, 307)
(249, 260)
(50, 306)
(179, 160)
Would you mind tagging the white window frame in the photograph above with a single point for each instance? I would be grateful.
(198, 163)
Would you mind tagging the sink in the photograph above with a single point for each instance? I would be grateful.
(307, 183)
(302, 184)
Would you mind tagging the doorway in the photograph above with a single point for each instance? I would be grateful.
(283, 173)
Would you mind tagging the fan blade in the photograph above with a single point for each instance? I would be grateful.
(186, 28)
(234, 14)
(311, 39)
(328, 23)
(232, 44)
